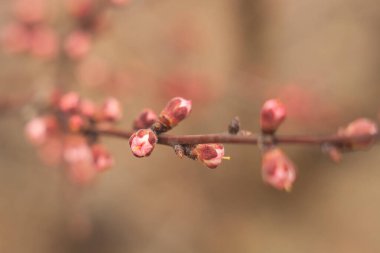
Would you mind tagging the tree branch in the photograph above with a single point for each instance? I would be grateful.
(253, 139)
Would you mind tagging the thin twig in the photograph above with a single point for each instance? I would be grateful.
(253, 139)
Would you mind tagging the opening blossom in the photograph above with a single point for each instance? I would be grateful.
(210, 155)
(143, 142)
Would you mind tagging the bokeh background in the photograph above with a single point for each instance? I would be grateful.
(320, 57)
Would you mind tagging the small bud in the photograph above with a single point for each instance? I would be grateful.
(44, 43)
(278, 170)
(78, 157)
(142, 142)
(273, 113)
(87, 108)
(210, 155)
(76, 150)
(145, 119)
(360, 127)
(234, 126)
(78, 44)
(15, 38)
(175, 111)
(111, 109)
(30, 11)
(76, 122)
(36, 131)
(69, 102)
(102, 158)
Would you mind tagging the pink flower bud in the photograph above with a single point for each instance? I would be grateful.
(142, 142)
(102, 158)
(78, 157)
(76, 122)
(145, 119)
(80, 8)
(111, 109)
(278, 170)
(360, 127)
(76, 151)
(44, 43)
(69, 102)
(55, 97)
(176, 110)
(36, 130)
(30, 11)
(81, 173)
(210, 155)
(77, 44)
(273, 113)
(50, 152)
(87, 108)
(15, 38)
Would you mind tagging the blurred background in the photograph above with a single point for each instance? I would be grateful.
(320, 57)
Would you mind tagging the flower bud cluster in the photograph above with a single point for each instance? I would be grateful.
(29, 32)
(144, 140)
(59, 137)
(91, 19)
(68, 133)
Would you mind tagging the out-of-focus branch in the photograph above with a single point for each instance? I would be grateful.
(14, 102)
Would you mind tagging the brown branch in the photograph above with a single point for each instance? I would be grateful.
(254, 139)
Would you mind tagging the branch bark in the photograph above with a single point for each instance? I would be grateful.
(253, 139)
